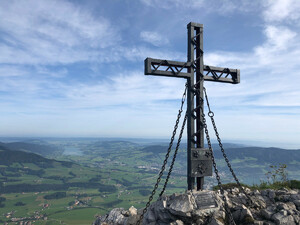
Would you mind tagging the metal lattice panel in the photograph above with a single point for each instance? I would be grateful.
(161, 67)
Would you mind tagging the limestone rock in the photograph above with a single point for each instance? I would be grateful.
(242, 215)
(281, 219)
(270, 207)
(132, 211)
(295, 197)
(181, 205)
(269, 223)
(215, 221)
(267, 213)
(272, 194)
(297, 203)
(177, 222)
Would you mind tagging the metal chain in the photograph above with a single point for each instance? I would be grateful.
(166, 158)
(174, 156)
(211, 115)
(231, 221)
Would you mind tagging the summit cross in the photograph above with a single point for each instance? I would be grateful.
(199, 163)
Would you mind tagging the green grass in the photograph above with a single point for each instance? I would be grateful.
(80, 216)
(58, 207)
(292, 184)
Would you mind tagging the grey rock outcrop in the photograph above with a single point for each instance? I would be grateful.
(267, 207)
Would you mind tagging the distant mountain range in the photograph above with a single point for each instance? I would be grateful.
(259, 154)
(234, 151)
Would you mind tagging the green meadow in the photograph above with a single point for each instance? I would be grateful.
(75, 188)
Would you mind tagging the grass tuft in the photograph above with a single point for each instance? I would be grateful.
(291, 184)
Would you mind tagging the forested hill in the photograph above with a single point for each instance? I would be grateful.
(261, 155)
(8, 157)
(42, 149)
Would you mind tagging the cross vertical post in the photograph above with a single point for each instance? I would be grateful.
(199, 162)
(196, 136)
(190, 108)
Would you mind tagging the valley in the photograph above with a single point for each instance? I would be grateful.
(69, 181)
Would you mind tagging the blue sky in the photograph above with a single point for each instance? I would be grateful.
(75, 68)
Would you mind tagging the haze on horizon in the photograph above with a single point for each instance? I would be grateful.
(75, 69)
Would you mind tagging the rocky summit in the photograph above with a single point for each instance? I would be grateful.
(266, 207)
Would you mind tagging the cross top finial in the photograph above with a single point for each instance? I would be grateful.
(193, 24)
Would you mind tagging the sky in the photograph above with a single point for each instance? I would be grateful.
(76, 68)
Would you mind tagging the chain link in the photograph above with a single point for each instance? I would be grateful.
(174, 156)
(166, 158)
(228, 213)
(226, 207)
(211, 115)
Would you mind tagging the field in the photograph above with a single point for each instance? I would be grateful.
(101, 175)
(93, 184)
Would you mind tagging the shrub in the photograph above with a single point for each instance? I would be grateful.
(277, 173)
(113, 203)
(295, 184)
(20, 204)
(107, 188)
(72, 174)
(56, 195)
(71, 203)
(145, 192)
(277, 178)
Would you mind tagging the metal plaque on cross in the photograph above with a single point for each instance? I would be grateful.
(201, 163)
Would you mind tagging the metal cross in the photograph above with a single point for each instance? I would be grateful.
(193, 70)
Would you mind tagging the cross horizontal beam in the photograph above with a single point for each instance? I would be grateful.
(169, 68)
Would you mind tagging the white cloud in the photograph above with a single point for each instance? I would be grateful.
(222, 7)
(59, 32)
(139, 53)
(282, 10)
(62, 72)
(12, 71)
(124, 89)
(279, 38)
(173, 3)
(130, 89)
(51, 32)
(154, 38)
(269, 73)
